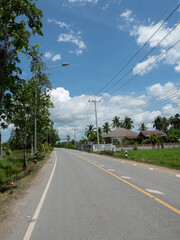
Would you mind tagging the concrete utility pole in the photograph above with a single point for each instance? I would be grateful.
(75, 134)
(95, 101)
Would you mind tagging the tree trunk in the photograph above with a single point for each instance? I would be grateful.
(0, 144)
(25, 153)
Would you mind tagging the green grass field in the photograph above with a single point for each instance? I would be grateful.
(162, 157)
(12, 167)
(14, 178)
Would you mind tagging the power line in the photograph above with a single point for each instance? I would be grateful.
(138, 50)
(156, 107)
(154, 101)
(146, 67)
(142, 58)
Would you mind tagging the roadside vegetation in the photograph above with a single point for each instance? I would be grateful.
(161, 157)
(14, 177)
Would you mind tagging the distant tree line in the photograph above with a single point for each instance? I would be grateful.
(171, 126)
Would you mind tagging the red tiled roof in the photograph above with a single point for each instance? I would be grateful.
(156, 132)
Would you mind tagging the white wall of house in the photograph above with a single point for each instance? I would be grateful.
(131, 147)
(104, 147)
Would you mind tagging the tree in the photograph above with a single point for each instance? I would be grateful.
(18, 21)
(89, 131)
(22, 111)
(53, 136)
(116, 122)
(154, 139)
(143, 127)
(161, 123)
(157, 123)
(165, 124)
(93, 138)
(106, 127)
(68, 138)
(100, 130)
(128, 123)
(173, 135)
(175, 121)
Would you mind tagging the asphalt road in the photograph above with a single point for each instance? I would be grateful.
(88, 197)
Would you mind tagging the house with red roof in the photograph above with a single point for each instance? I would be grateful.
(145, 134)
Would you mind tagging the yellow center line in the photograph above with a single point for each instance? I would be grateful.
(132, 185)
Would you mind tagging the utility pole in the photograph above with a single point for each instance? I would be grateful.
(95, 101)
(35, 123)
(75, 135)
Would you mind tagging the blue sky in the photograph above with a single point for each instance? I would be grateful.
(97, 38)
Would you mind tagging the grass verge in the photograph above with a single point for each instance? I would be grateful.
(14, 179)
(161, 157)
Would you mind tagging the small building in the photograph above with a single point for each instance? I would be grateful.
(120, 135)
(145, 134)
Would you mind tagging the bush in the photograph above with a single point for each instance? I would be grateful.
(108, 152)
(6, 149)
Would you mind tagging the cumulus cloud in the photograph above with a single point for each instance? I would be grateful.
(78, 112)
(48, 55)
(143, 33)
(51, 56)
(147, 65)
(167, 92)
(56, 57)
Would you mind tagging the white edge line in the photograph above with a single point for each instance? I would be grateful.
(38, 209)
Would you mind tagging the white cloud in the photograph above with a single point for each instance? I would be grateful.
(70, 37)
(167, 92)
(146, 66)
(56, 57)
(51, 56)
(78, 112)
(177, 68)
(75, 39)
(127, 16)
(83, 1)
(48, 55)
(61, 24)
(143, 33)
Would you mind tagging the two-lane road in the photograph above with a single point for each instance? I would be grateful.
(91, 197)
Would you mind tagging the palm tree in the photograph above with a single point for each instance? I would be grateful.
(165, 124)
(143, 127)
(128, 123)
(175, 121)
(116, 122)
(89, 130)
(157, 123)
(100, 130)
(161, 123)
(106, 127)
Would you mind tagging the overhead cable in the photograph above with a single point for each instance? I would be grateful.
(139, 50)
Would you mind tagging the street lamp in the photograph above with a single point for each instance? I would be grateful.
(61, 65)
(35, 119)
